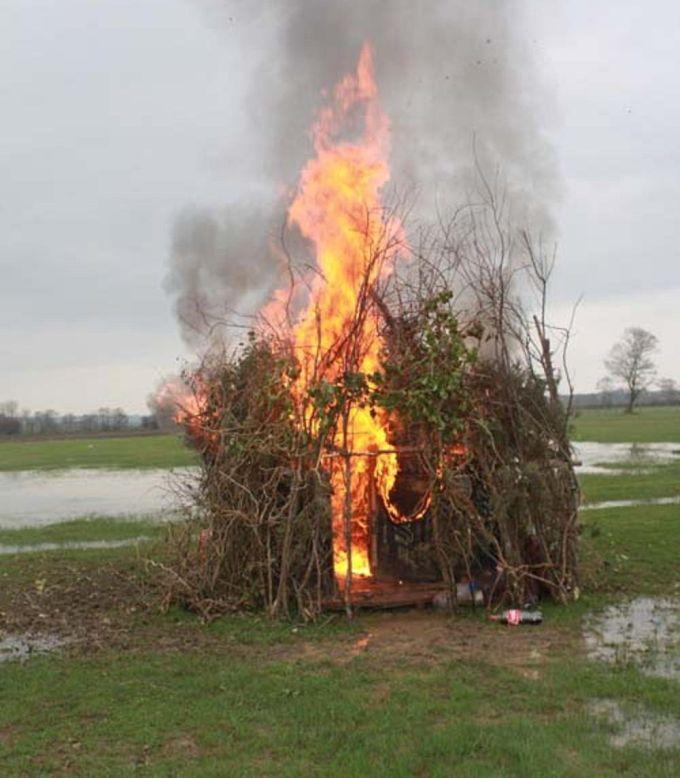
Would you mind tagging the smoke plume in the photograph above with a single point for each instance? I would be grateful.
(454, 76)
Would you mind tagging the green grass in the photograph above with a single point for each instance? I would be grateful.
(87, 528)
(197, 714)
(639, 546)
(125, 452)
(57, 567)
(245, 697)
(239, 707)
(655, 481)
(646, 425)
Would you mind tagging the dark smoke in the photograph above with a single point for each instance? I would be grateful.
(221, 266)
(452, 74)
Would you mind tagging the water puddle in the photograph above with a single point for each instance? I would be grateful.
(643, 729)
(633, 457)
(644, 631)
(594, 506)
(32, 548)
(23, 647)
(32, 498)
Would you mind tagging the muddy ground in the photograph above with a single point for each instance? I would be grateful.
(109, 608)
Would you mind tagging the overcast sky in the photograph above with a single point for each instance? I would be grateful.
(118, 114)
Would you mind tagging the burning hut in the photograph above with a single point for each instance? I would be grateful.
(382, 435)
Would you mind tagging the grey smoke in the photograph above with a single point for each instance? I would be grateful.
(449, 71)
(221, 267)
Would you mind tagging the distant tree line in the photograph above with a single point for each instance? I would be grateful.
(610, 396)
(16, 422)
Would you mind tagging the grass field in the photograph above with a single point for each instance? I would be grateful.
(206, 714)
(647, 425)
(607, 426)
(400, 694)
(85, 529)
(653, 481)
(125, 452)
(650, 425)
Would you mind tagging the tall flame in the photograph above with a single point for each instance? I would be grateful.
(338, 208)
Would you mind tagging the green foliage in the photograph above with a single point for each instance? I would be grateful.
(424, 369)
(331, 398)
(421, 379)
(247, 400)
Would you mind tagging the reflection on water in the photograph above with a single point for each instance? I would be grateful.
(591, 456)
(644, 631)
(32, 548)
(593, 506)
(643, 728)
(32, 498)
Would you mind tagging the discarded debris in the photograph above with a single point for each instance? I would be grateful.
(467, 593)
(513, 617)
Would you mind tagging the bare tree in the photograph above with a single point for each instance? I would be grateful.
(670, 393)
(9, 408)
(119, 419)
(631, 360)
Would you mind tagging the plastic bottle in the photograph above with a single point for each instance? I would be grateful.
(514, 617)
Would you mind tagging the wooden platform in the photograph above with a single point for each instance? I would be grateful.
(369, 593)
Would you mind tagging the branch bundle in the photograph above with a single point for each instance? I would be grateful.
(468, 379)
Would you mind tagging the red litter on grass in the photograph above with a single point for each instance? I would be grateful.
(513, 617)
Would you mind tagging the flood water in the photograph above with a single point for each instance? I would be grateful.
(33, 498)
(630, 456)
(23, 646)
(642, 728)
(644, 631)
(31, 548)
(594, 506)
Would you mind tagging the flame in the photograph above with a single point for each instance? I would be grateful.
(338, 208)
(188, 406)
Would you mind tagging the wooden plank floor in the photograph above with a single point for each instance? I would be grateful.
(386, 594)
